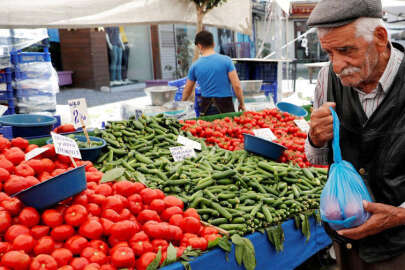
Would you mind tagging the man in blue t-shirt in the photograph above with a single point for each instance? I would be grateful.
(216, 76)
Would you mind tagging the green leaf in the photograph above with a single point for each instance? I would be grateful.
(249, 256)
(214, 243)
(155, 263)
(239, 250)
(270, 235)
(171, 255)
(237, 239)
(225, 244)
(186, 265)
(112, 175)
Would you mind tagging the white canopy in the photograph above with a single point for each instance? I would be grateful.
(234, 14)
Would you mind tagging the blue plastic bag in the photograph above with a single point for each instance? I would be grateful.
(344, 192)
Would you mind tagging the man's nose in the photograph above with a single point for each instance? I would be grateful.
(338, 64)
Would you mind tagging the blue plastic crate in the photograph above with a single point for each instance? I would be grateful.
(6, 131)
(29, 57)
(29, 75)
(270, 88)
(6, 76)
(178, 83)
(243, 69)
(266, 72)
(31, 92)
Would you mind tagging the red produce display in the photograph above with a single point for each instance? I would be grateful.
(107, 226)
(228, 133)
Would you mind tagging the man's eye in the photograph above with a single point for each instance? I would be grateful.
(343, 49)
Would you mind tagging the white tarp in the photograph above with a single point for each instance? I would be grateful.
(234, 14)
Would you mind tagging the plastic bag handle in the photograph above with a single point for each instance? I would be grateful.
(337, 154)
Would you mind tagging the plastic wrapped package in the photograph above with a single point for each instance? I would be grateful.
(180, 110)
(37, 103)
(35, 70)
(40, 76)
(344, 192)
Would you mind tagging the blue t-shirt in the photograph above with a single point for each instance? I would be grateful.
(211, 72)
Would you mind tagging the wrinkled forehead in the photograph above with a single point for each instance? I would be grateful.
(339, 36)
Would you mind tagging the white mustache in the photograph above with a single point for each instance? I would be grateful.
(349, 71)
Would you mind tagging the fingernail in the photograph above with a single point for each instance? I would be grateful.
(365, 203)
(339, 232)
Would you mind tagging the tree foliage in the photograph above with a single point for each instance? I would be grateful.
(207, 5)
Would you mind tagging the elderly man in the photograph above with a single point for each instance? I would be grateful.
(365, 84)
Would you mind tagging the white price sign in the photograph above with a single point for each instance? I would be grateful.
(78, 108)
(65, 146)
(265, 133)
(3, 109)
(35, 152)
(302, 124)
(180, 153)
(187, 142)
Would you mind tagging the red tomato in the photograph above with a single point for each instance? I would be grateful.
(147, 215)
(158, 205)
(29, 217)
(176, 220)
(76, 244)
(173, 201)
(52, 218)
(123, 257)
(15, 230)
(124, 229)
(45, 245)
(191, 212)
(76, 215)
(94, 255)
(143, 262)
(16, 260)
(39, 230)
(5, 221)
(44, 261)
(79, 263)
(23, 242)
(63, 256)
(62, 232)
(99, 245)
(169, 212)
(91, 229)
(191, 225)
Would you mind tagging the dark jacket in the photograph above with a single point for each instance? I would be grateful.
(376, 148)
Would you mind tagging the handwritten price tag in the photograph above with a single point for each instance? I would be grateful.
(180, 153)
(65, 146)
(303, 125)
(187, 142)
(265, 133)
(78, 108)
(35, 152)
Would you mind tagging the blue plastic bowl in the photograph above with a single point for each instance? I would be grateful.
(263, 147)
(55, 189)
(28, 125)
(292, 109)
(90, 154)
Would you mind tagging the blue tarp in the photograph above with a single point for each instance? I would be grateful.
(296, 251)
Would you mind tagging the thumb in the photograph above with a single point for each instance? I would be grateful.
(369, 206)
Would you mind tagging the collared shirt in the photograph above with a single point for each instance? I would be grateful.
(369, 101)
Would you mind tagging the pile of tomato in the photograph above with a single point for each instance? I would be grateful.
(110, 225)
(17, 174)
(228, 133)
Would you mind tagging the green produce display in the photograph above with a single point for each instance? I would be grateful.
(236, 191)
(82, 144)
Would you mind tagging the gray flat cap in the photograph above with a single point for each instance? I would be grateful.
(334, 13)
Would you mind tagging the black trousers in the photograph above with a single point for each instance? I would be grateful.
(216, 105)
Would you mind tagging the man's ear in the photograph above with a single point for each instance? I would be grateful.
(380, 38)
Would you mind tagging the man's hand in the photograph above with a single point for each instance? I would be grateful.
(321, 125)
(241, 107)
(383, 217)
